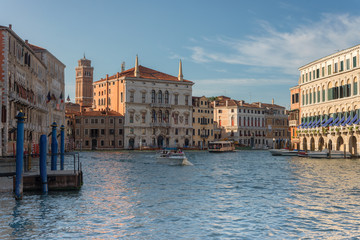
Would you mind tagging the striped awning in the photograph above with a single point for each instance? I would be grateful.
(341, 121)
(353, 120)
(334, 122)
(327, 122)
(347, 121)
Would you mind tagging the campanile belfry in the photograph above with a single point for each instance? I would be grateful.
(84, 81)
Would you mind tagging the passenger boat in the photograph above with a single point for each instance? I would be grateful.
(283, 152)
(221, 146)
(175, 157)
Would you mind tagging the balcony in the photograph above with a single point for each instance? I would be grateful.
(160, 105)
(159, 124)
(293, 123)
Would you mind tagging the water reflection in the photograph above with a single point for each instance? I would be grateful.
(242, 195)
(326, 198)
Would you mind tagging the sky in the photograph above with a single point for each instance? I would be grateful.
(246, 50)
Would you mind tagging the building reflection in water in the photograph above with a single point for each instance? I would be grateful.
(325, 197)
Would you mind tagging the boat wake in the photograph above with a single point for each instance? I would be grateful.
(186, 162)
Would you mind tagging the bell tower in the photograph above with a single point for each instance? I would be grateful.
(84, 80)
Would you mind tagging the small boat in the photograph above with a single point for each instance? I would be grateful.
(221, 146)
(283, 152)
(339, 154)
(175, 157)
(302, 154)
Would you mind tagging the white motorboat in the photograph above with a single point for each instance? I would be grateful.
(318, 154)
(339, 154)
(175, 157)
(283, 152)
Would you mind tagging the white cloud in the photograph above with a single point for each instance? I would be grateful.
(284, 50)
(242, 82)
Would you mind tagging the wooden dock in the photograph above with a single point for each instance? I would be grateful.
(60, 180)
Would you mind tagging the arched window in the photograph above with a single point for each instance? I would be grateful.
(153, 116)
(160, 118)
(160, 96)
(166, 116)
(166, 97)
(153, 96)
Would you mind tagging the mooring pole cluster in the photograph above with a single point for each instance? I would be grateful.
(43, 155)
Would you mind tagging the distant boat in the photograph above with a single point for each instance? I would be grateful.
(221, 146)
(283, 152)
(175, 157)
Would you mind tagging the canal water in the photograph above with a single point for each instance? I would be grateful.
(239, 195)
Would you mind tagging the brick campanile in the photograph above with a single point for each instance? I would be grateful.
(84, 81)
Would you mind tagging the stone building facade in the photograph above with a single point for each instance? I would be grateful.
(204, 127)
(294, 117)
(98, 130)
(330, 102)
(157, 107)
(27, 74)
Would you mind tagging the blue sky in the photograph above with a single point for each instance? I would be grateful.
(247, 50)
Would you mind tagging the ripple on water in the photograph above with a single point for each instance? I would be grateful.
(241, 195)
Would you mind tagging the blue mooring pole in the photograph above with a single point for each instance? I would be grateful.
(19, 155)
(42, 162)
(62, 147)
(54, 147)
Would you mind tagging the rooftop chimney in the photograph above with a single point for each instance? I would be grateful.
(122, 66)
(180, 76)
(259, 104)
(26, 41)
(272, 101)
(227, 102)
(10, 26)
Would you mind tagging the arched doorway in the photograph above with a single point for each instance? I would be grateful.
(160, 141)
(93, 144)
(187, 142)
(321, 144)
(340, 144)
(304, 144)
(353, 145)
(330, 147)
(131, 143)
(312, 144)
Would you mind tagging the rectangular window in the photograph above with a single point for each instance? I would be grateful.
(309, 76)
(306, 77)
(296, 98)
(120, 131)
(318, 96)
(323, 95)
(323, 71)
(302, 78)
(131, 96)
(317, 73)
(86, 132)
(354, 62)
(313, 74)
(310, 98)
(111, 131)
(121, 97)
(347, 64)
(186, 100)
(335, 68)
(329, 69)
(355, 88)
(102, 131)
(143, 97)
(176, 99)
(341, 66)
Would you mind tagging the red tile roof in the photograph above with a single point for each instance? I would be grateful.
(33, 47)
(146, 73)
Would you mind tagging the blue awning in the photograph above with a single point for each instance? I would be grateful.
(353, 120)
(300, 125)
(347, 121)
(316, 124)
(334, 122)
(342, 119)
(308, 125)
(327, 122)
(323, 121)
(313, 124)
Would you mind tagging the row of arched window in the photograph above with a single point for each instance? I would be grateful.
(334, 91)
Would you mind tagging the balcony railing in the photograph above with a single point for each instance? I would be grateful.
(159, 124)
(160, 105)
(293, 123)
